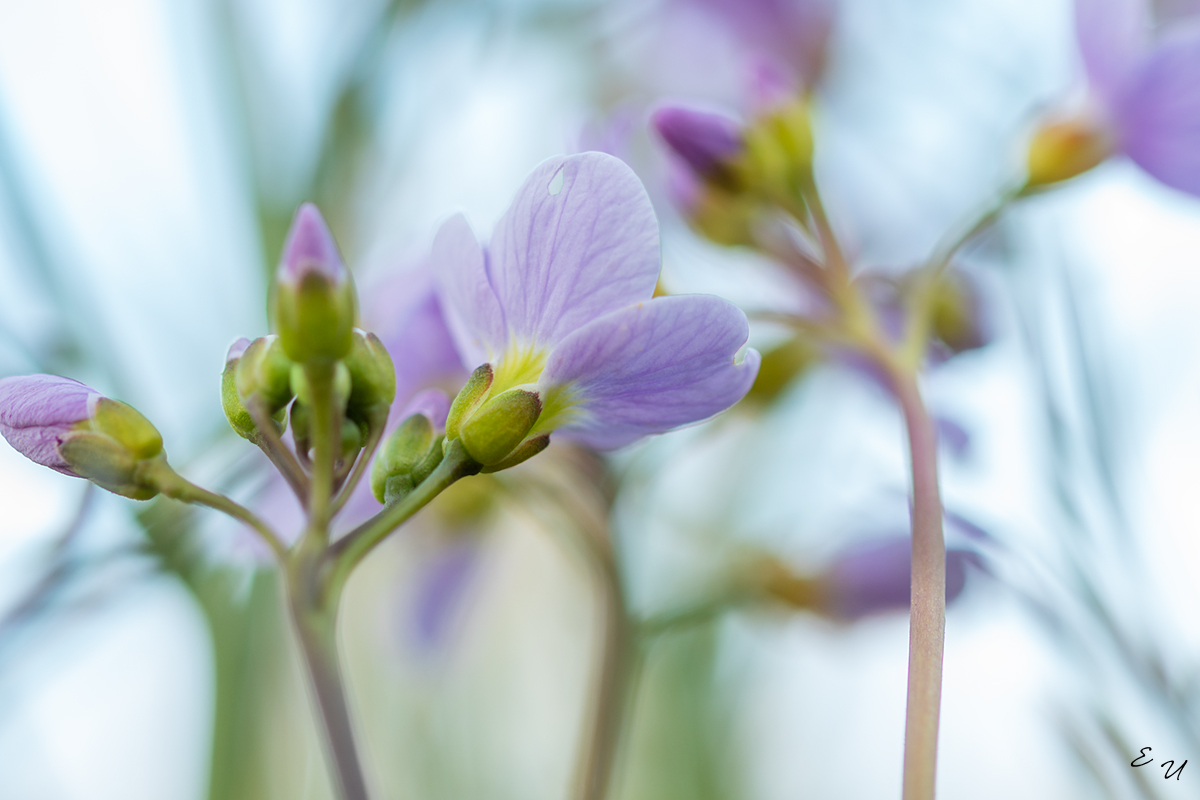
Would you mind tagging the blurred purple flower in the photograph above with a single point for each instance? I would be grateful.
(704, 140)
(786, 38)
(561, 301)
(440, 591)
(37, 411)
(875, 577)
(1146, 89)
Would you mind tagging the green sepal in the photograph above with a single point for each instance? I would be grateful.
(264, 374)
(469, 399)
(372, 375)
(235, 411)
(127, 427)
(315, 320)
(495, 430)
(525, 451)
(105, 462)
(413, 450)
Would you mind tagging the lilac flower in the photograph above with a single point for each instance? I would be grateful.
(37, 411)
(876, 576)
(788, 38)
(704, 140)
(1146, 90)
(560, 303)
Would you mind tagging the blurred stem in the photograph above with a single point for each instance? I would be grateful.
(159, 474)
(314, 612)
(927, 620)
(610, 701)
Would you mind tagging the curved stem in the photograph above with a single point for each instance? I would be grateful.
(927, 620)
(159, 474)
(326, 443)
(345, 554)
(269, 441)
(314, 613)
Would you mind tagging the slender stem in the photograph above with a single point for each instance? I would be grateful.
(609, 701)
(326, 443)
(835, 259)
(158, 473)
(927, 621)
(347, 552)
(269, 441)
(314, 613)
(377, 428)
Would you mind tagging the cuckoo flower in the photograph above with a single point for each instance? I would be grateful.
(69, 427)
(1146, 100)
(559, 308)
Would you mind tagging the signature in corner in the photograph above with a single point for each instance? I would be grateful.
(1144, 760)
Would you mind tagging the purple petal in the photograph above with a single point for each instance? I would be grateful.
(703, 139)
(580, 240)
(433, 403)
(310, 248)
(792, 33)
(236, 349)
(37, 410)
(876, 577)
(652, 367)
(1160, 115)
(473, 311)
(1113, 38)
(440, 593)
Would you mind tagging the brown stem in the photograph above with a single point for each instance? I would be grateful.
(927, 620)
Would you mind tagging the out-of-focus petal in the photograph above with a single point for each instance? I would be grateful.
(1113, 38)
(37, 410)
(703, 139)
(433, 403)
(1160, 115)
(472, 310)
(579, 240)
(652, 367)
(876, 577)
(791, 33)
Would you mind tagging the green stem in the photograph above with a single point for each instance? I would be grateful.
(272, 445)
(347, 552)
(377, 427)
(326, 443)
(158, 473)
(927, 620)
(314, 612)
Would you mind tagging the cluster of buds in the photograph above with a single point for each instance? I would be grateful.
(732, 172)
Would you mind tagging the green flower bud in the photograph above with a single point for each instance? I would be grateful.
(372, 375)
(499, 426)
(109, 448)
(127, 427)
(264, 375)
(239, 418)
(313, 301)
(469, 399)
(410, 454)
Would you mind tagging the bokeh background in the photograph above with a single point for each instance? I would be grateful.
(152, 153)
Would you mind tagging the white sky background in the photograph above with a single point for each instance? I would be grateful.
(115, 109)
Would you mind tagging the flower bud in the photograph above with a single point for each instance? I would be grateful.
(264, 374)
(65, 425)
(708, 143)
(525, 451)
(313, 301)
(469, 399)
(413, 450)
(956, 314)
(499, 426)
(372, 376)
(235, 412)
(1065, 148)
(779, 150)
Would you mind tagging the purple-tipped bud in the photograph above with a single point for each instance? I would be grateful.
(36, 411)
(875, 577)
(705, 141)
(314, 303)
(309, 249)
